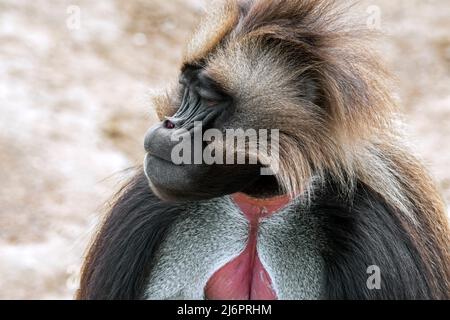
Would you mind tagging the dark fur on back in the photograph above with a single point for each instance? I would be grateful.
(367, 232)
(120, 258)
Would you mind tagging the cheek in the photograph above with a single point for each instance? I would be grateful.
(241, 119)
(261, 115)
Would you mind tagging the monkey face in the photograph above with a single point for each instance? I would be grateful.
(239, 86)
(175, 164)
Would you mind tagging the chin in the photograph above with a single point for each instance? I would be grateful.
(168, 181)
(178, 183)
(181, 183)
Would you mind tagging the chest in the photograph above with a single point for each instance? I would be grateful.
(216, 251)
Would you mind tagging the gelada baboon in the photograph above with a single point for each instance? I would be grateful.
(347, 202)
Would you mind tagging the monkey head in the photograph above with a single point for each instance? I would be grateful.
(265, 65)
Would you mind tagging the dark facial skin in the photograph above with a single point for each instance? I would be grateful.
(202, 100)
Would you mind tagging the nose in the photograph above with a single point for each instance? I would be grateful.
(168, 124)
(160, 139)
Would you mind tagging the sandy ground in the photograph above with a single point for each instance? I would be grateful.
(74, 109)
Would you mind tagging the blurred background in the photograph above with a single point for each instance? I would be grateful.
(75, 79)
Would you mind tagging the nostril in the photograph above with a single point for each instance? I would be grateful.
(168, 124)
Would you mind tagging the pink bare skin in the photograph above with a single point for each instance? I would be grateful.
(245, 277)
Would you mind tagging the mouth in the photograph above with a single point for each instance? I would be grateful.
(187, 182)
(170, 181)
(161, 157)
(161, 171)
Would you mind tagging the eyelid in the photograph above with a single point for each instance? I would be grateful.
(209, 95)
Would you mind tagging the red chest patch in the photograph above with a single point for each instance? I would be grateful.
(245, 278)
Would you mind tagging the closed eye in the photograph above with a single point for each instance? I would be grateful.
(209, 97)
(197, 82)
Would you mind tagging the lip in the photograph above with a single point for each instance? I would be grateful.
(163, 173)
(155, 156)
(151, 159)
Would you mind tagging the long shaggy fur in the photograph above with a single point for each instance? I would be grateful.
(120, 258)
(346, 132)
